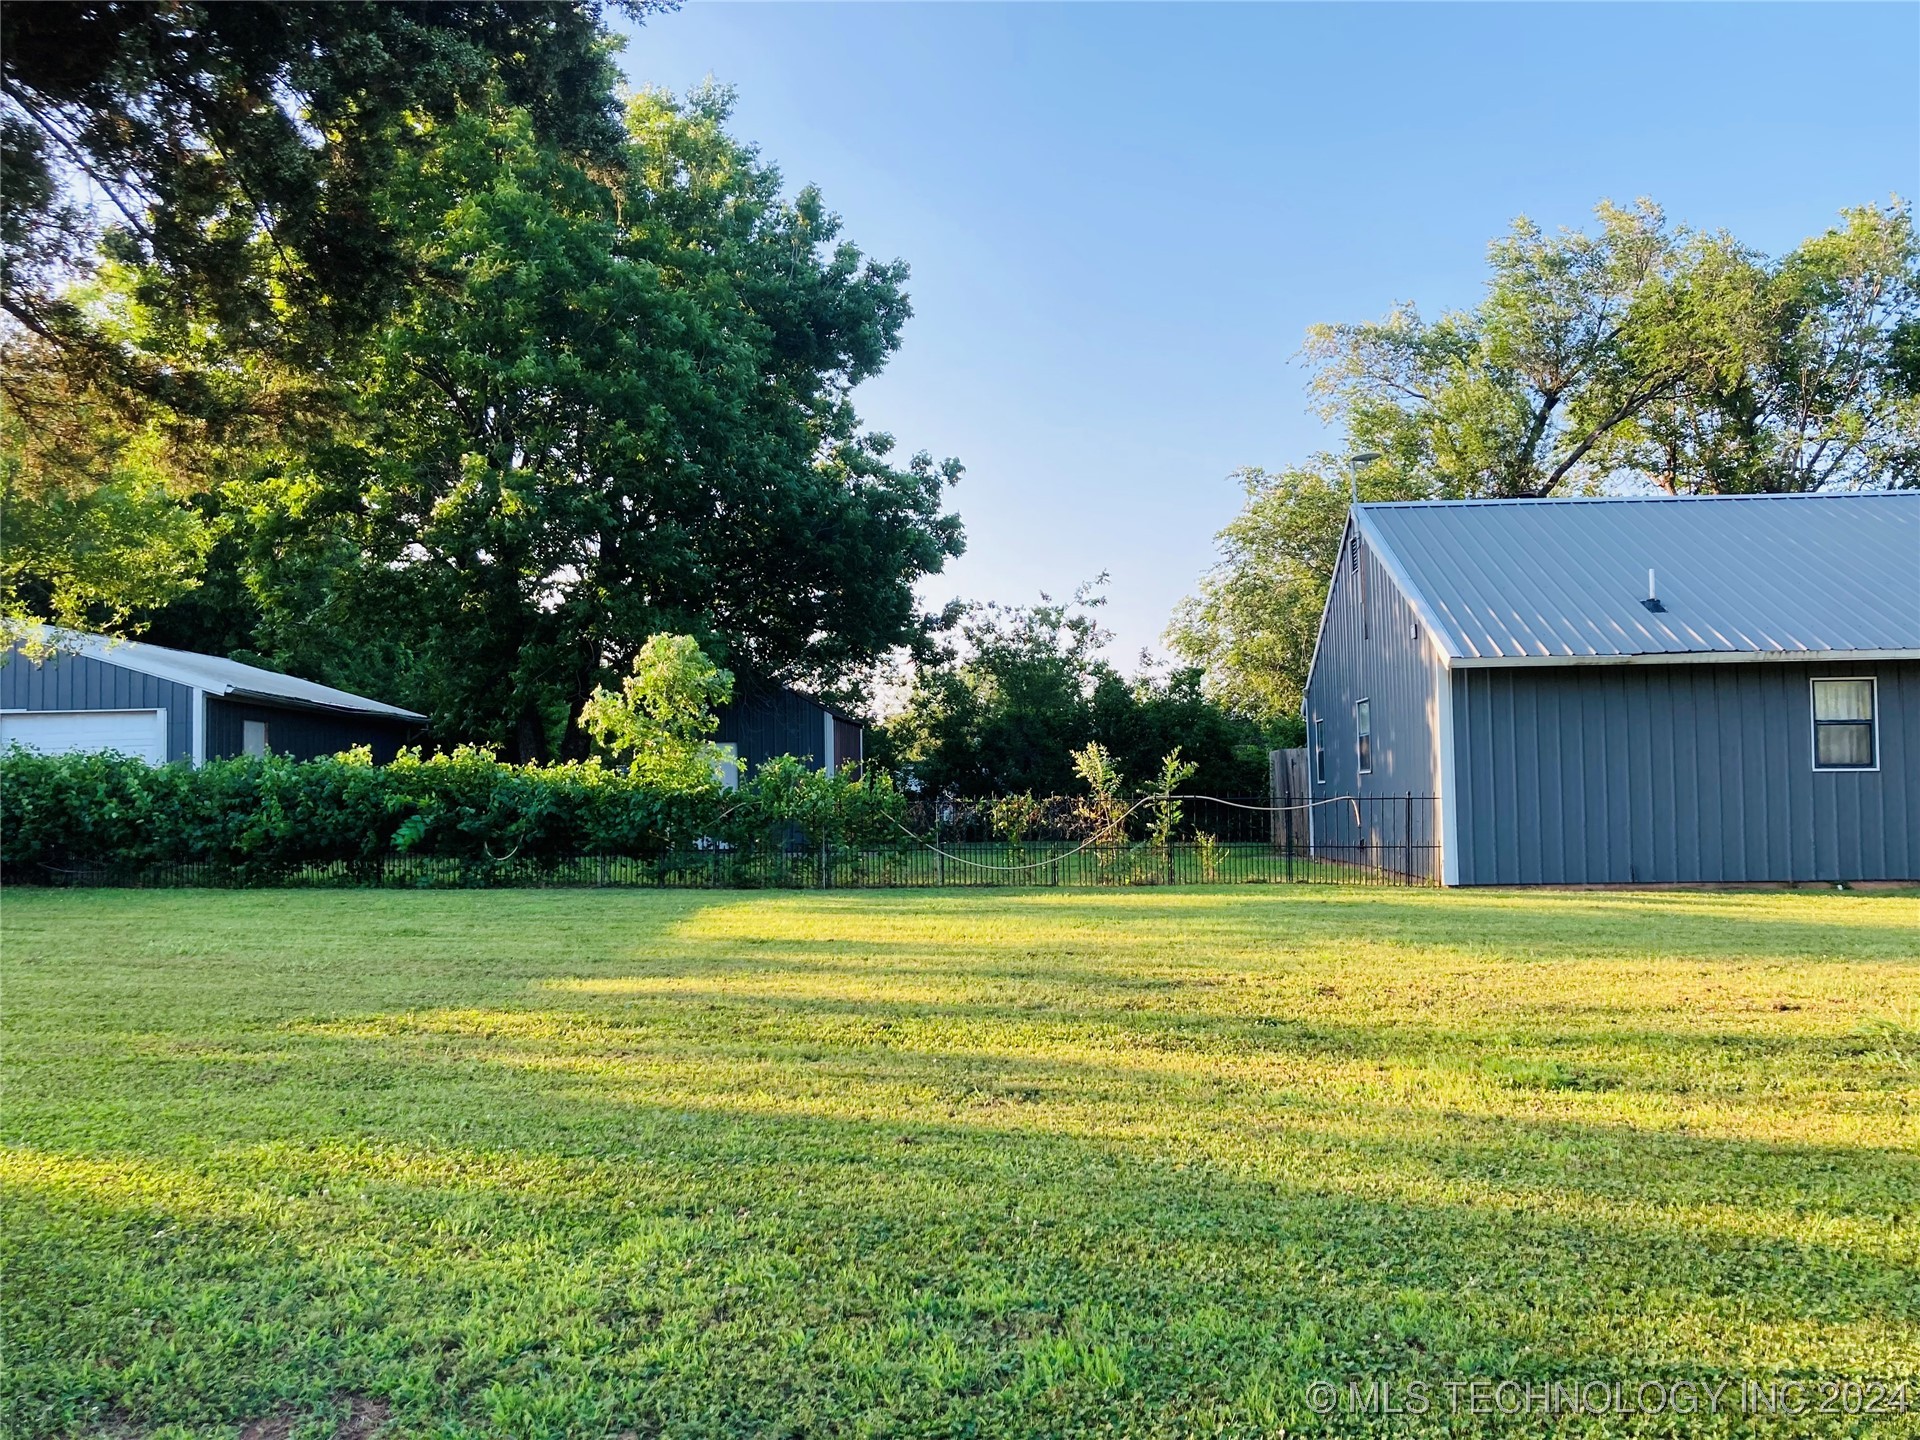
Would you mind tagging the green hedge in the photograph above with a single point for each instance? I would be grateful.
(266, 816)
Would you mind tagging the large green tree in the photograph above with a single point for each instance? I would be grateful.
(1827, 391)
(605, 411)
(401, 358)
(1636, 355)
(191, 247)
(1251, 629)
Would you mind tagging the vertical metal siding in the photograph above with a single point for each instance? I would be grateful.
(79, 682)
(775, 721)
(1399, 673)
(1686, 773)
(300, 734)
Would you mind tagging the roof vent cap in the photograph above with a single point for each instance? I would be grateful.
(1652, 602)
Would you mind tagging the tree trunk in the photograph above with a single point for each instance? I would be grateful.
(530, 738)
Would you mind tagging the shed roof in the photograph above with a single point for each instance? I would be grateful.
(1751, 576)
(221, 677)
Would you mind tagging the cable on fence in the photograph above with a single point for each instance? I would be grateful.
(1275, 809)
(1108, 831)
(1037, 864)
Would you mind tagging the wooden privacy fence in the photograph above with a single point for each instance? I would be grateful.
(1177, 840)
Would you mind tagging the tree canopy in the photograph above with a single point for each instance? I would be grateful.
(553, 379)
(661, 722)
(604, 416)
(236, 147)
(1638, 355)
(1028, 686)
(1648, 354)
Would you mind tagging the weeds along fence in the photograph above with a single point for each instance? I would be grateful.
(1058, 842)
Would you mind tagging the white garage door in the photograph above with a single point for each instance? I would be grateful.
(141, 733)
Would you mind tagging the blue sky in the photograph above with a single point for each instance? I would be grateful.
(1122, 218)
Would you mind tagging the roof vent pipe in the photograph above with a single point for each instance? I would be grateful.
(1652, 602)
(1354, 462)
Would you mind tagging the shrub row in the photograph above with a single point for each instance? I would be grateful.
(264, 816)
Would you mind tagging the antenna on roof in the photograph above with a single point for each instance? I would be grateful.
(1652, 602)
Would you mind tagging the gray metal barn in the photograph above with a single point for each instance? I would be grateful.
(96, 693)
(764, 720)
(1619, 691)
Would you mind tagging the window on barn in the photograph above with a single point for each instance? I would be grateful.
(1319, 752)
(1843, 725)
(1363, 727)
(253, 737)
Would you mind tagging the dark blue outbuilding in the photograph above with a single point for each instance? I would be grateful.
(764, 720)
(1628, 690)
(72, 691)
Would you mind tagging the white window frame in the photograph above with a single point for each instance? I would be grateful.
(1813, 727)
(1318, 757)
(1363, 754)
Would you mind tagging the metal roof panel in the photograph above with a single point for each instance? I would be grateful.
(1512, 580)
(218, 676)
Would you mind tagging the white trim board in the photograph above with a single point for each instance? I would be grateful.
(1449, 783)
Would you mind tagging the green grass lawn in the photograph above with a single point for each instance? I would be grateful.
(1065, 1163)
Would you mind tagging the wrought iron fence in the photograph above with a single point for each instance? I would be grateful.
(1184, 840)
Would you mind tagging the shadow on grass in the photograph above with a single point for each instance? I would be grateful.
(650, 1262)
(1429, 1097)
(1127, 1206)
(1495, 927)
(1223, 1022)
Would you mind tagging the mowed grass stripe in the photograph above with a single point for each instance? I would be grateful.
(564, 1163)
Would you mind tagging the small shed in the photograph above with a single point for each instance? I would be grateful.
(764, 720)
(97, 693)
(1629, 690)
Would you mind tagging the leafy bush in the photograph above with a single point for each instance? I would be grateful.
(783, 804)
(662, 721)
(261, 817)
